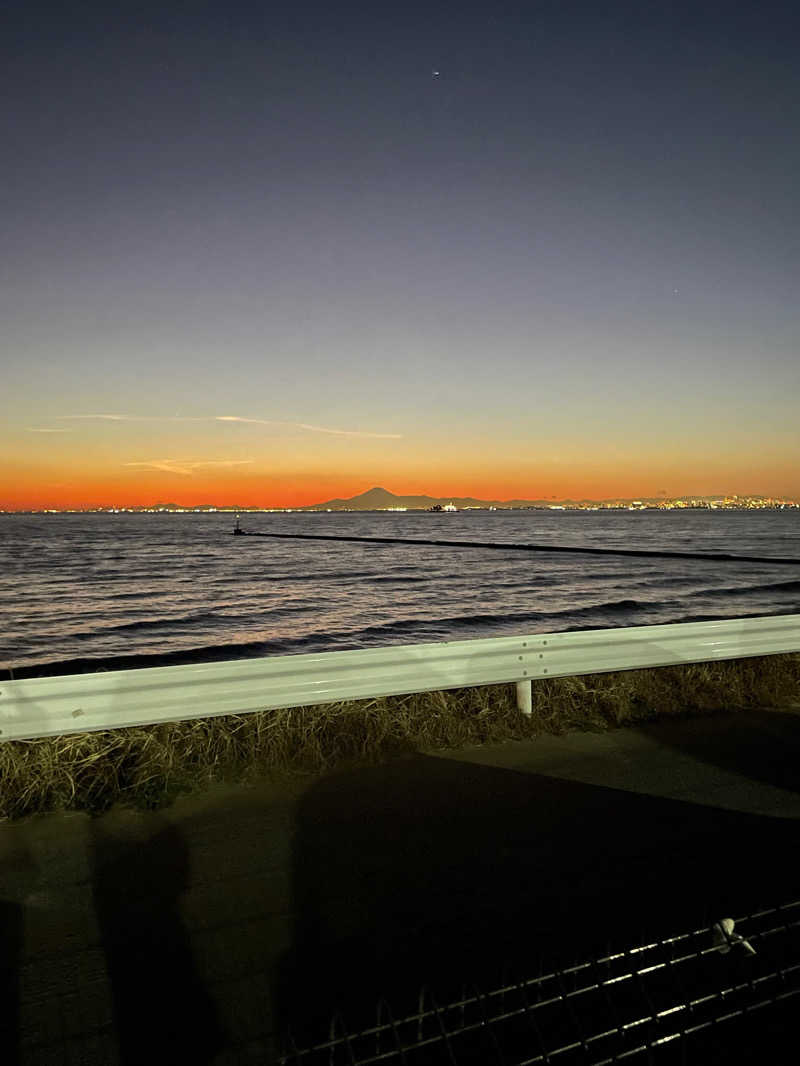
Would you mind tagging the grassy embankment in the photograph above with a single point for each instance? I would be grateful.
(149, 767)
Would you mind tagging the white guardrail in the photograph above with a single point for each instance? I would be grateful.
(79, 703)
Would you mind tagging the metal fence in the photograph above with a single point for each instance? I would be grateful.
(704, 993)
(78, 703)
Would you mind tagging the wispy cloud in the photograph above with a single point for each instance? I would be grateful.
(106, 418)
(36, 429)
(252, 421)
(186, 466)
(132, 418)
(307, 426)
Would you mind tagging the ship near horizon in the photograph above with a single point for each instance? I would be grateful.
(380, 499)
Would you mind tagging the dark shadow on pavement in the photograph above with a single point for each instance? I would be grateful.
(436, 872)
(162, 1012)
(17, 877)
(10, 957)
(758, 745)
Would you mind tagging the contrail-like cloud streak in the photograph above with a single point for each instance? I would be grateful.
(133, 418)
(185, 466)
(307, 426)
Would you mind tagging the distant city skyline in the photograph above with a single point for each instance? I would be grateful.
(268, 254)
(378, 498)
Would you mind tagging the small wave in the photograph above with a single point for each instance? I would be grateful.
(451, 622)
(150, 625)
(740, 590)
(466, 622)
(611, 607)
(721, 617)
(388, 579)
(319, 576)
(143, 660)
(663, 581)
(141, 594)
(317, 642)
(176, 625)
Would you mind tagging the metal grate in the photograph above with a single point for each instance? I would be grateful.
(644, 1003)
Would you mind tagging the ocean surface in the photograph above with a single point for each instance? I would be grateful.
(82, 592)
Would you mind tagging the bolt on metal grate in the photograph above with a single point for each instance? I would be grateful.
(641, 1004)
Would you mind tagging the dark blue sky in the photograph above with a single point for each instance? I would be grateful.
(570, 257)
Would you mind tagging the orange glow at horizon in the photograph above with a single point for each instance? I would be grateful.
(234, 284)
(230, 465)
(42, 490)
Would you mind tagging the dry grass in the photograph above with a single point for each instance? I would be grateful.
(148, 767)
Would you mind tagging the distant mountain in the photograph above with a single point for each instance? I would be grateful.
(377, 499)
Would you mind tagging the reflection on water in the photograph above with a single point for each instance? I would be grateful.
(102, 586)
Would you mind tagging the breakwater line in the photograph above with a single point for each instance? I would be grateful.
(642, 553)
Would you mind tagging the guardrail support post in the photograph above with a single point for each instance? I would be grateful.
(524, 697)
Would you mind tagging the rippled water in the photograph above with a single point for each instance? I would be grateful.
(178, 587)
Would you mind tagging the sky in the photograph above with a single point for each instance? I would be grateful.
(268, 254)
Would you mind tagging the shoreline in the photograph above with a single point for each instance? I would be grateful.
(716, 503)
(258, 649)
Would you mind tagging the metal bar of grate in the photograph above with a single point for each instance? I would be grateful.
(651, 995)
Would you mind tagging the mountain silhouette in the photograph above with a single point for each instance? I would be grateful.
(378, 498)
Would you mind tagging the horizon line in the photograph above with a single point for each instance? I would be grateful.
(539, 502)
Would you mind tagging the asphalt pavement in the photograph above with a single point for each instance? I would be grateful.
(204, 932)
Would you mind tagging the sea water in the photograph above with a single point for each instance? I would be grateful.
(89, 591)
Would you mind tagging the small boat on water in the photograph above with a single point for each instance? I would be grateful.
(447, 507)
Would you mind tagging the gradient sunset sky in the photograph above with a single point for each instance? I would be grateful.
(273, 253)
